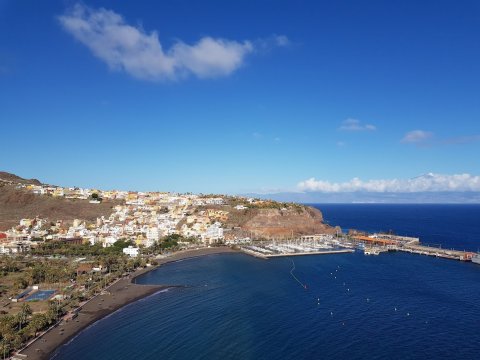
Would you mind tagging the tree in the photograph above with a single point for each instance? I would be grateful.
(5, 348)
(20, 283)
(37, 323)
(23, 314)
(53, 312)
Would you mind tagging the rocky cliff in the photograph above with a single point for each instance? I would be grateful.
(280, 223)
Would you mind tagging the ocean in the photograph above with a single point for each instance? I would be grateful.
(391, 306)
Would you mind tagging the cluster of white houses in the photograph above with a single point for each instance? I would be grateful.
(144, 218)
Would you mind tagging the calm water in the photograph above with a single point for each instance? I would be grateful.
(392, 306)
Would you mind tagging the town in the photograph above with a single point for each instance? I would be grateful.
(139, 218)
(51, 268)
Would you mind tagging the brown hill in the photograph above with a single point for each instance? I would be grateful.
(277, 223)
(16, 204)
(5, 176)
(287, 223)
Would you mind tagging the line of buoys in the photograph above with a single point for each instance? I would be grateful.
(293, 275)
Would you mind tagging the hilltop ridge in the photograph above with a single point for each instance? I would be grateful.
(19, 203)
(238, 216)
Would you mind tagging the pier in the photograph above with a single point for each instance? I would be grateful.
(377, 243)
(438, 252)
(306, 245)
(325, 252)
(276, 255)
(373, 244)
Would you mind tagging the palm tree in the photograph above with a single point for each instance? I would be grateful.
(5, 348)
(37, 323)
(22, 316)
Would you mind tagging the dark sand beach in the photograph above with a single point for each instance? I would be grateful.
(116, 296)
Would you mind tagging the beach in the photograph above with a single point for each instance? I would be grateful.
(117, 295)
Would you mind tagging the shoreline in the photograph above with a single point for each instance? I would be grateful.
(121, 293)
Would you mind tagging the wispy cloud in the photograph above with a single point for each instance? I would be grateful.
(418, 137)
(425, 183)
(257, 135)
(281, 40)
(356, 125)
(131, 49)
(428, 138)
(460, 140)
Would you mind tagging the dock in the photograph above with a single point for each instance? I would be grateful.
(385, 242)
(303, 253)
(372, 244)
(325, 252)
(308, 245)
(437, 252)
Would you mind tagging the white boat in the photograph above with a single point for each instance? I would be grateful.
(476, 258)
(371, 251)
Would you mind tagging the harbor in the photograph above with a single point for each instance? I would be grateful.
(370, 244)
(305, 245)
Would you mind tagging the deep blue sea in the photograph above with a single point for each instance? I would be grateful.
(391, 306)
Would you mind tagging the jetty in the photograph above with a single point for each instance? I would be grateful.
(370, 244)
(306, 245)
(378, 243)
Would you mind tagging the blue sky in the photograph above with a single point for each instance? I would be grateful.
(247, 96)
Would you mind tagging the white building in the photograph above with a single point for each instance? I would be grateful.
(131, 251)
(153, 235)
(109, 241)
(213, 233)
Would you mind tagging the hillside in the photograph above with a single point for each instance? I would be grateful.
(276, 222)
(16, 204)
(12, 178)
(263, 219)
(287, 223)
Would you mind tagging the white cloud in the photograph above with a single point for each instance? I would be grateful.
(425, 183)
(282, 40)
(417, 137)
(257, 135)
(356, 125)
(131, 49)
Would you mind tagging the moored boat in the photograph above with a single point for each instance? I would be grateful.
(476, 258)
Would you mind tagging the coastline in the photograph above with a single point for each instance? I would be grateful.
(120, 293)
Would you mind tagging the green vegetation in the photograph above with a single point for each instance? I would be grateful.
(74, 281)
(169, 242)
(16, 329)
(59, 248)
(95, 196)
